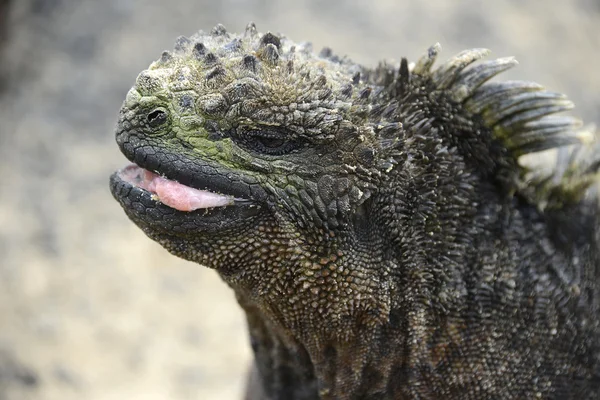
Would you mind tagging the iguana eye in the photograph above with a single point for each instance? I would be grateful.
(268, 142)
(157, 117)
(271, 143)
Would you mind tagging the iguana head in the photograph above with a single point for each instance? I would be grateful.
(254, 156)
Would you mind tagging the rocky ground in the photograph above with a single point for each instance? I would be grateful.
(89, 307)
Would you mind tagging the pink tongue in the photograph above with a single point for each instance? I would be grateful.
(171, 193)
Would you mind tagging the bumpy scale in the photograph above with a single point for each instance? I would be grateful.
(375, 224)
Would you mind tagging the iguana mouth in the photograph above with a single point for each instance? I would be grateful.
(160, 204)
(183, 195)
(178, 191)
(172, 193)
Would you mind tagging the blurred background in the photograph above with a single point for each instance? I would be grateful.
(89, 307)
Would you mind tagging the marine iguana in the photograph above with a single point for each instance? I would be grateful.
(375, 224)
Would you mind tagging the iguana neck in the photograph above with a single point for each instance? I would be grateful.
(364, 364)
(352, 348)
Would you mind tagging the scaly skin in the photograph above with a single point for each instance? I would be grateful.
(385, 243)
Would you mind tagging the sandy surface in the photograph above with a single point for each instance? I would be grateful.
(92, 309)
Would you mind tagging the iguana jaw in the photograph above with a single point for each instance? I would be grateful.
(143, 207)
(230, 200)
